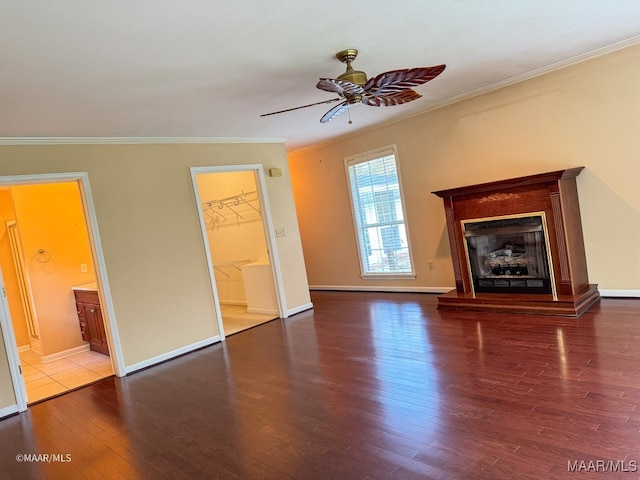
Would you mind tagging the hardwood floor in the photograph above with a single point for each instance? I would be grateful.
(366, 386)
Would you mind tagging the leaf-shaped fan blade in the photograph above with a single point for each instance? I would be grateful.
(334, 112)
(404, 96)
(303, 106)
(341, 87)
(394, 81)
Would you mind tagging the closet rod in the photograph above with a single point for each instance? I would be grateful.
(232, 200)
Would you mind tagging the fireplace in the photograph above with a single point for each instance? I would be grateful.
(517, 246)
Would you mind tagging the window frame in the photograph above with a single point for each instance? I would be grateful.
(364, 157)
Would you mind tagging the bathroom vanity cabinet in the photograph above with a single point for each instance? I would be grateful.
(90, 318)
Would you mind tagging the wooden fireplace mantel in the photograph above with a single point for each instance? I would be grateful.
(554, 193)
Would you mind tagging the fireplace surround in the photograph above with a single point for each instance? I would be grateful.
(517, 246)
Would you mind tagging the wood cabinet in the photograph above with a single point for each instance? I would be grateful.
(91, 322)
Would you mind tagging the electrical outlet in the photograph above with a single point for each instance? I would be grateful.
(280, 232)
(431, 267)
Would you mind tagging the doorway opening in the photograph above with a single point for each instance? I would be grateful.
(52, 268)
(240, 249)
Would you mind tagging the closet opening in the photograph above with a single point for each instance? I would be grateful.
(235, 223)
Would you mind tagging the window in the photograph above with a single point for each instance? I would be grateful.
(378, 213)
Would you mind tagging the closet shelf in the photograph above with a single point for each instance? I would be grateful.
(237, 264)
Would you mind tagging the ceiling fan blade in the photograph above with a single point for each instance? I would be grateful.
(404, 96)
(303, 106)
(388, 83)
(334, 112)
(341, 87)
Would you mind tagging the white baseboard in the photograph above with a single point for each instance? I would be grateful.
(263, 311)
(619, 293)
(65, 353)
(371, 288)
(10, 410)
(35, 346)
(233, 302)
(24, 348)
(172, 354)
(300, 308)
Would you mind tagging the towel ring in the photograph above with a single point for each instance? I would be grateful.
(43, 256)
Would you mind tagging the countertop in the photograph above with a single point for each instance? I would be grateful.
(91, 286)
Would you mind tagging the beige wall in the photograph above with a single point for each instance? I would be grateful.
(584, 115)
(7, 395)
(150, 233)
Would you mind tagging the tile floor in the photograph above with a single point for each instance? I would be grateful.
(44, 380)
(235, 318)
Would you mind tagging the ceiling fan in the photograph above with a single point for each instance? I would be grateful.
(387, 89)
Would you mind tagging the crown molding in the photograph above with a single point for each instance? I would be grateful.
(479, 91)
(131, 140)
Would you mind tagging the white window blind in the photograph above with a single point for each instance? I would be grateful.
(378, 213)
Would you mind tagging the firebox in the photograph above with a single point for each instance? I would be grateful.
(509, 254)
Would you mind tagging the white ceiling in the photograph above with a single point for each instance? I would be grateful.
(207, 68)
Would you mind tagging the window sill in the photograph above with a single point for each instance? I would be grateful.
(388, 276)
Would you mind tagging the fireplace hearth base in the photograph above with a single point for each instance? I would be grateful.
(563, 305)
(509, 254)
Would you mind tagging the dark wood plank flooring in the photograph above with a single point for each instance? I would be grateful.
(366, 386)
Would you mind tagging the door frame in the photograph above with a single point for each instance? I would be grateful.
(91, 223)
(10, 345)
(267, 223)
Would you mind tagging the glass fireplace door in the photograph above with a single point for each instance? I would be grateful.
(509, 254)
